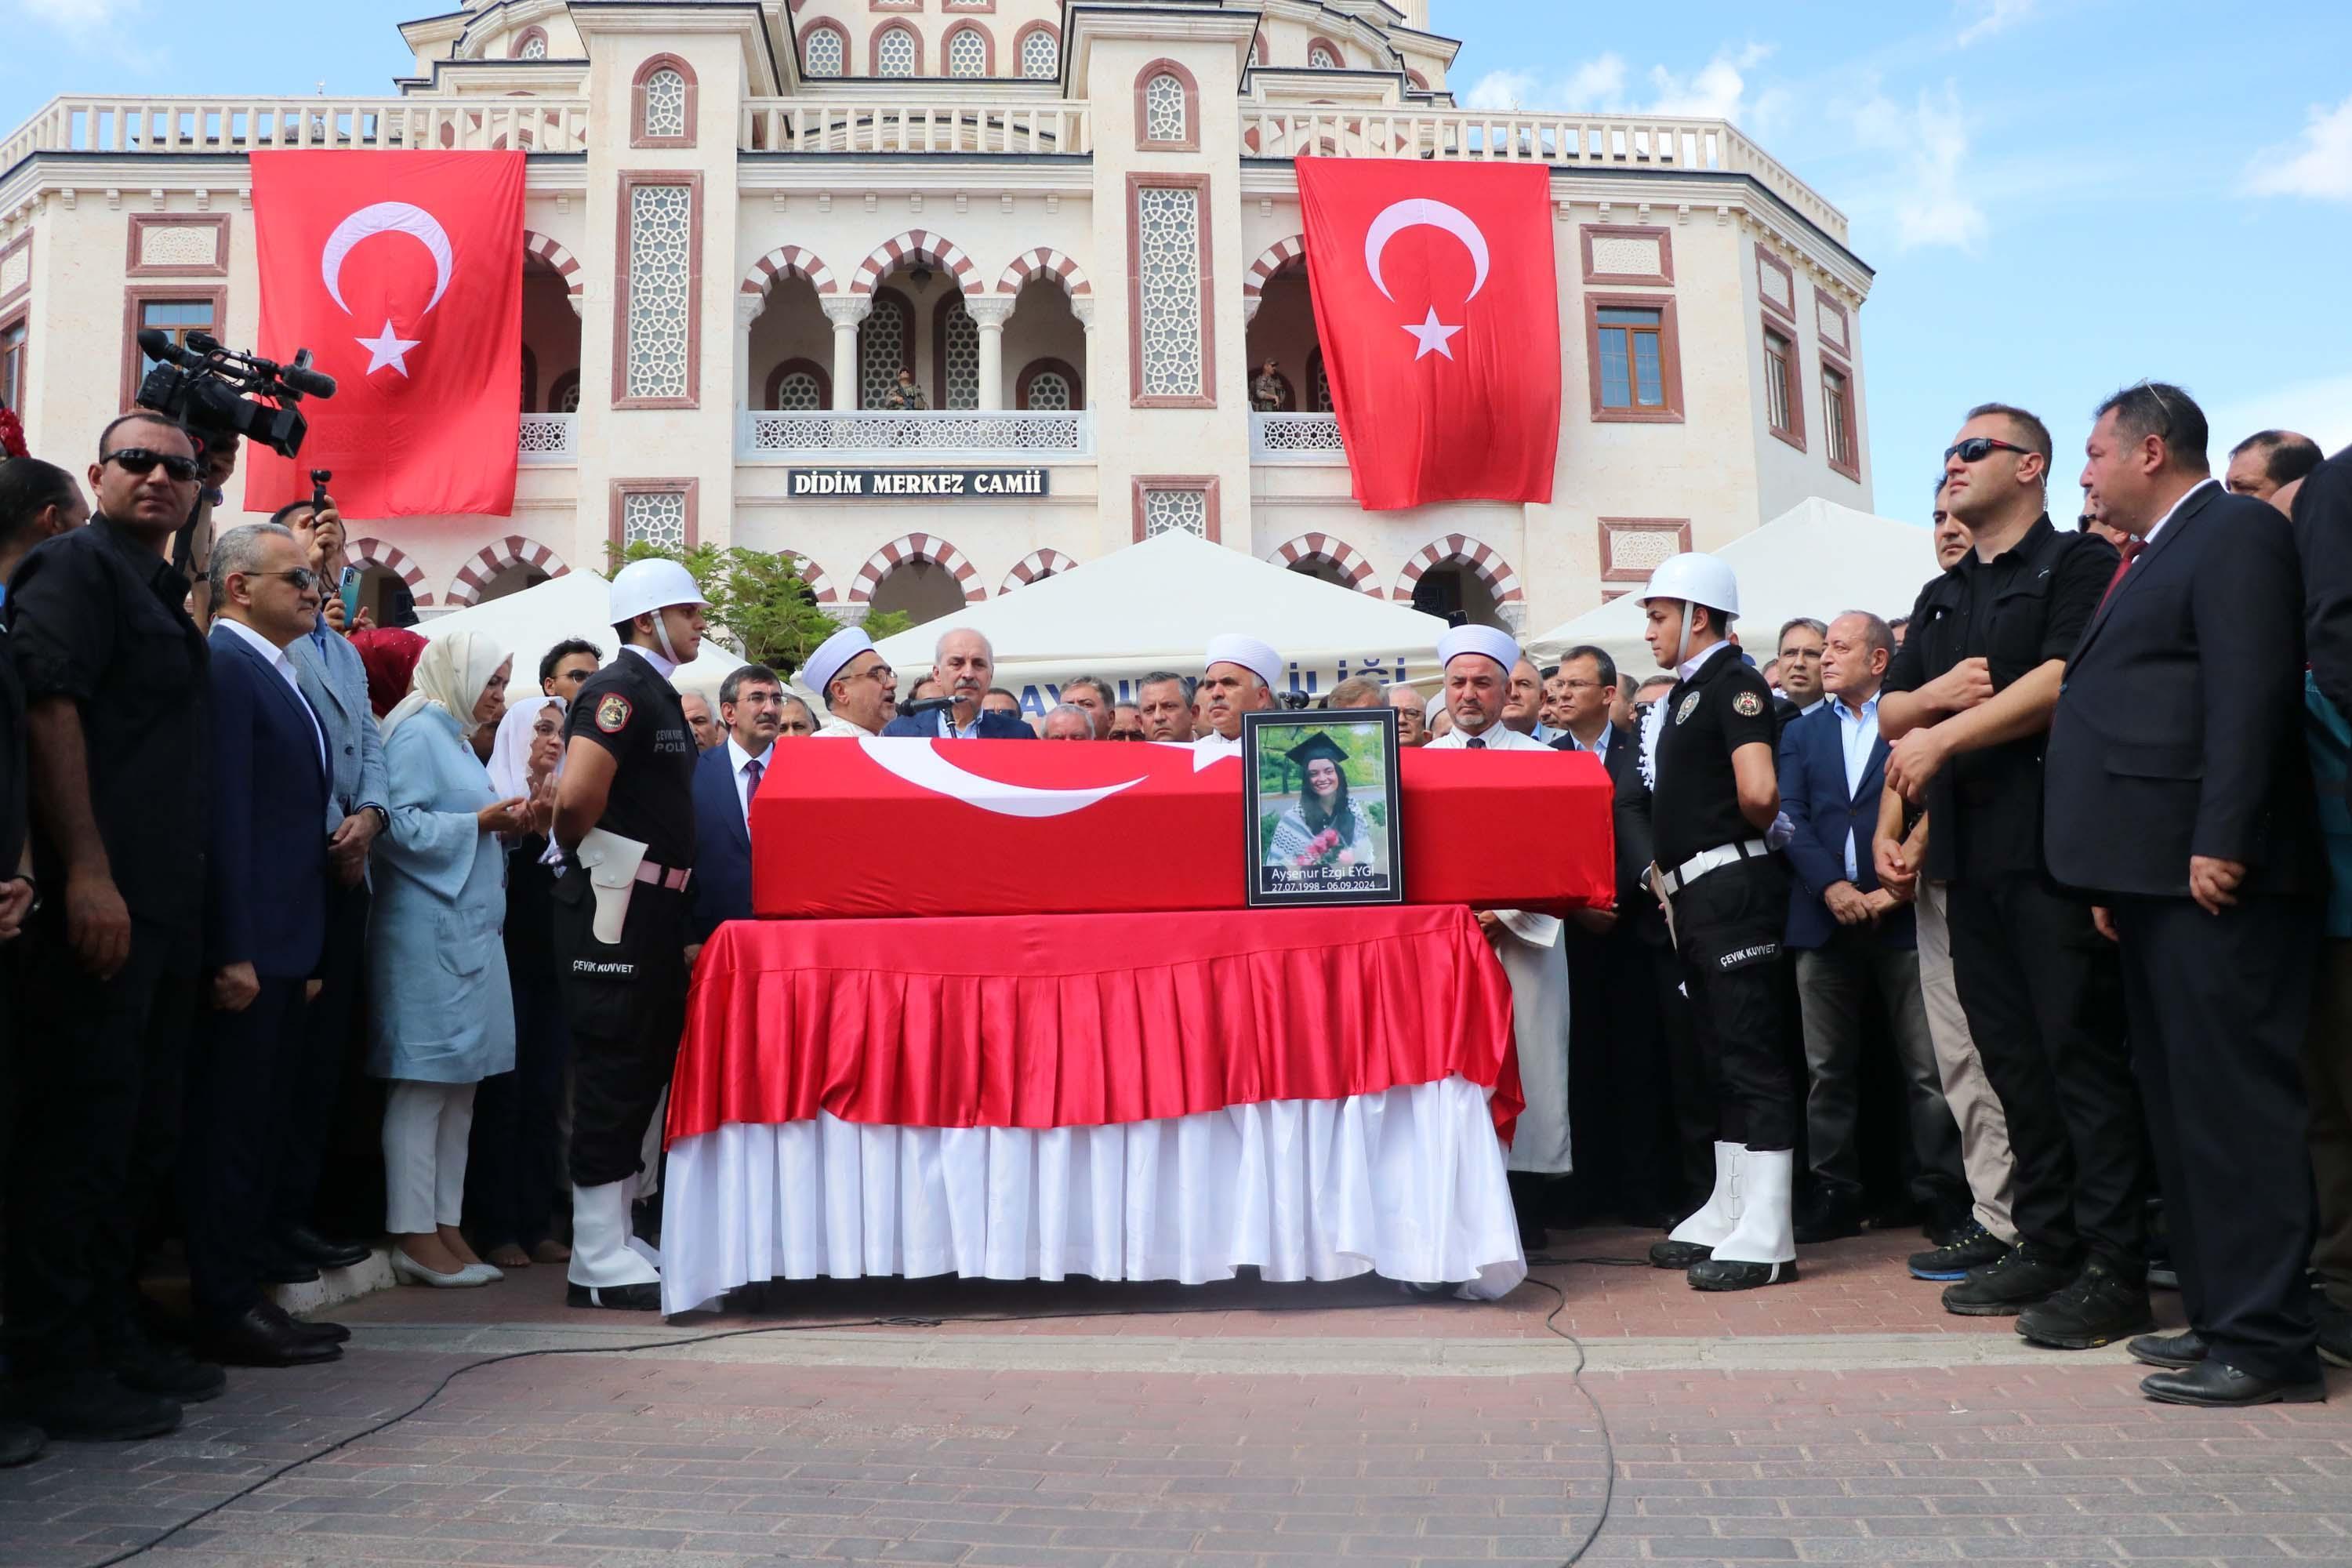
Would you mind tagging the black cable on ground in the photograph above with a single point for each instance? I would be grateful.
(1550, 1323)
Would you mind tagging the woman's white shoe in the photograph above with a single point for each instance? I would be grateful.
(408, 1272)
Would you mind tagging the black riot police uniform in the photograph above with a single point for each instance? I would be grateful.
(1728, 893)
(625, 1002)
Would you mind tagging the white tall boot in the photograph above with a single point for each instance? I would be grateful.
(632, 1190)
(1762, 1248)
(1696, 1236)
(606, 1270)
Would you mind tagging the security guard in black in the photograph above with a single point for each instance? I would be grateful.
(626, 1001)
(1729, 919)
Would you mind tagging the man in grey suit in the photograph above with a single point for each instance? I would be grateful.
(335, 683)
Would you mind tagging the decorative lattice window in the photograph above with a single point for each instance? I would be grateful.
(799, 392)
(1041, 56)
(661, 243)
(881, 349)
(1319, 387)
(1320, 58)
(1175, 511)
(960, 349)
(968, 53)
(567, 398)
(824, 53)
(1168, 267)
(1163, 108)
(664, 93)
(534, 48)
(894, 53)
(1049, 392)
(654, 516)
(1254, 58)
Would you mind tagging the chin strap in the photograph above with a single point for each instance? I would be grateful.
(661, 635)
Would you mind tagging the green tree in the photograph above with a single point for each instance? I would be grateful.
(760, 604)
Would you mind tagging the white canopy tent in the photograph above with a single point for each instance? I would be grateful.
(1155, 605)
(574, 605)
(1816, 559)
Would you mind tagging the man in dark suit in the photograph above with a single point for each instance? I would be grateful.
(2179, 798)
(964, 665)
(751, 702)
(1852, 938)
(265, 913)
(1618, 1097)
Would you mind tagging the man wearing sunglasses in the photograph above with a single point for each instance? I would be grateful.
(119, 718)
(1967, 715)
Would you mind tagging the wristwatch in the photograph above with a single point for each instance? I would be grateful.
(382, 817)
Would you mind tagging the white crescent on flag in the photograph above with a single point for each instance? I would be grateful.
(918, 762)
(1420, 212)
(388, 217)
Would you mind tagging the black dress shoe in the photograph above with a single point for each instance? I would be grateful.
(1954, 1260)
(264, 1336)
(2219, 1384)
(1678, 1254)
(2007, 1286)
(326, 1332)
(2335, 1331)
(2098, 1309)
(1722, 1274)
(148, 1366)
(1833, 1216)
(91, 1406)
(285, 1268)
(616, 1297)
(309, 1245)
(2176, 1353)
(20, 1444)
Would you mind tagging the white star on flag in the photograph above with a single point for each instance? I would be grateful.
(1429, 334)
(390, 349)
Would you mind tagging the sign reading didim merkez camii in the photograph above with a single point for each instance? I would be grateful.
(986, 483)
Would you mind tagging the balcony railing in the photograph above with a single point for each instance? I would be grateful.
(928, 437)
(842, 125)
(1562, 140)
(1295, 438)
(247, 125)
(549, 439)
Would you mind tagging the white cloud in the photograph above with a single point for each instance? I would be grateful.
(1928, 144)
(1991, 17)
(1716, 92)
(1602, 85)
(77, 18)
(2319, 166)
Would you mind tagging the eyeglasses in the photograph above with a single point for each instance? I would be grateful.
(302, 578)
(140, 460)
(1977, 449)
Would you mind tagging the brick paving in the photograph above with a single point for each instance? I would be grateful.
(678, 1460)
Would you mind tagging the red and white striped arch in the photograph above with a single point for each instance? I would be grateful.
(566, 265)
(1278, 257)
(514, 549)
(1035, 567)
(1338, 553)
(917, 547)
(820, 586)
(1486, 563)
(395, 560)
(917, 244)
(1044, 262)
(789, 261)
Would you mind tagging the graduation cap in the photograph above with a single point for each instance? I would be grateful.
(1318, 745)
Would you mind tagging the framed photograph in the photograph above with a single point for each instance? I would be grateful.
(1322, 800)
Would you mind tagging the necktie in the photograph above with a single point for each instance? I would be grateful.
(2129, 548)
(751, 770)
(1476, 743)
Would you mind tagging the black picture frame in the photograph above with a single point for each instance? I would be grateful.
(1369, 868)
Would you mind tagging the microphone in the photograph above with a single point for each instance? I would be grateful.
(309, 382)
(157, 345)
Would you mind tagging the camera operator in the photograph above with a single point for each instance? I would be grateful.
(119, 711)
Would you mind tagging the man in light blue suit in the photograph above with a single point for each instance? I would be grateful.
(335, 684)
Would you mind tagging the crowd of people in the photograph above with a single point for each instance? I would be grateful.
(2017, 909)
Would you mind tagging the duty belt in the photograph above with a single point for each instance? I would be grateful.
(1707, 860)
(654, 876)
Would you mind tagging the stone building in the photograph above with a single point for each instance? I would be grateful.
(1075, 224)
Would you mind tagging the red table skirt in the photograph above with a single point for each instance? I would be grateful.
(1087, 1020)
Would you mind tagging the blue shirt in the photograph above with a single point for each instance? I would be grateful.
(1856, 732)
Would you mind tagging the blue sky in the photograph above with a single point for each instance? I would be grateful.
(2059, 195)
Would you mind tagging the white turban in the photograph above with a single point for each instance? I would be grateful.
(1257, 657)
(831, 656)
(1484, 641)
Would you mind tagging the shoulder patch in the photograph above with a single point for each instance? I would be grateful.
(1689, 707)
(1746, 704)
(613, 713)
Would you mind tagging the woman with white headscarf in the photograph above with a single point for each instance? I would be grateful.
(516, 1174)
(443, 1015)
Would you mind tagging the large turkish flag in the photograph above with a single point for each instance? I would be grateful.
(1438, 311)
(402, 272)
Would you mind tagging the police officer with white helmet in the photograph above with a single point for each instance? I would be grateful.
(625, 818)
(1714, 796)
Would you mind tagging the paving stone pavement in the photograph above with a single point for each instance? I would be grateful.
(1353, 1443)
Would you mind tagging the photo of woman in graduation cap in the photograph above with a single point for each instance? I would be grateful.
(1324, 836)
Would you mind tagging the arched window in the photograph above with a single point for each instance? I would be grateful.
(530, 44)
(1254, 55)
(530, 380)
(968, 53)
(1041, 54)
(897, 52)
(1322, 56)
(1049, 386)
(825, 52)
(955, 355)
(799, 386)
(564, 397)
(886, 345)
(1319, 384)
(662, 113)
(1163, 108)
(1166, 108)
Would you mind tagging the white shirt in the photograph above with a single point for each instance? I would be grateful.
(1599, 747)
(836, 728)
(741, 762)
(948, 731)
(668, 667)
(1856, 734)
(275, 657)
(2149, 537)
(1658, 715)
